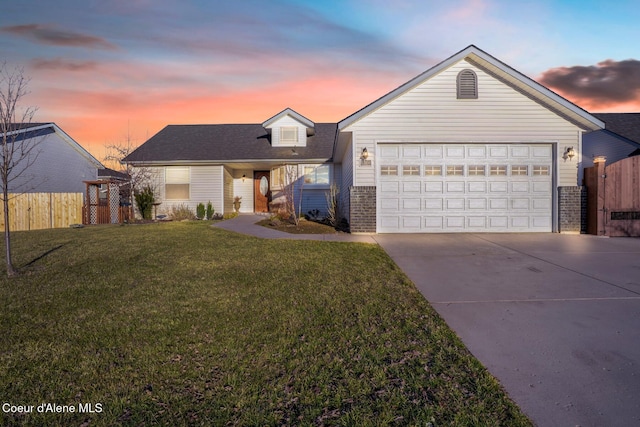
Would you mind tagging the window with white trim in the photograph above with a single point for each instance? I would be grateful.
(433, 170)
(498, 170)
(388, 170)
(519, 170)
(177, 182)
(289, 135)
(316, 174)
(455, 170)
(411, 170)
(541, 170)
(476, 170)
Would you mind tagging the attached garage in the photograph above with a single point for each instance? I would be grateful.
(470, 145)
(465, 188)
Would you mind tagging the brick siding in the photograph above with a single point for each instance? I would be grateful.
(362, 210)
(572, 209)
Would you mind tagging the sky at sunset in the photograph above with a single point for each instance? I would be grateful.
(103, 70)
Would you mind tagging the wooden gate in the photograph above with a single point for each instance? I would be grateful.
(613, 198)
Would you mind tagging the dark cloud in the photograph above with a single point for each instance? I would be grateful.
(49, 35)
(63, 65)
(608, 82)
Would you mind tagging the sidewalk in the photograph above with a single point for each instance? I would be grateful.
(246, 224)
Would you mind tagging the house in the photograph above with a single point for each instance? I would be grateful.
(470, 145)
(57, 164)
(619, 140)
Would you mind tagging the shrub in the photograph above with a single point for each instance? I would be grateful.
(181, 212)
(200, 211)
(144, 202)
(210, 211)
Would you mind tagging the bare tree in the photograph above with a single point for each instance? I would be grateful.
(288, 180)
(138, 177)
(18, 150)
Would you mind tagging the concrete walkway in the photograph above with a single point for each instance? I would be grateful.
(246, 224)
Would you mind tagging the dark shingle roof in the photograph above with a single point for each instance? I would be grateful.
(229, 143)
(624, 124)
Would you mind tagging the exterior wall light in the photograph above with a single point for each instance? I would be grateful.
(569, 153)
(365, 153)
(244, 176)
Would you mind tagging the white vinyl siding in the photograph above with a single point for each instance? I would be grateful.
(431, 112)
(206, 184)
(286, 127)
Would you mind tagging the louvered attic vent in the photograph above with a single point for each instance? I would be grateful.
(467, 85)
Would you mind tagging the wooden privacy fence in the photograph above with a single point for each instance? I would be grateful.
(37, 211)
(613, 197)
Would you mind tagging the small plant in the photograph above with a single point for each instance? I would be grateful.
(200, 211)
(144, 202)
(181, 212)
(313, 215)
(229, 215)
(210, 211)
(236, 203)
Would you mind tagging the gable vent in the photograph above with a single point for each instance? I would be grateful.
(467, 85)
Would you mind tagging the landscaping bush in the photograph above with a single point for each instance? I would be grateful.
(200, 211)
(181, 212)
(144, 202)
(210, 211)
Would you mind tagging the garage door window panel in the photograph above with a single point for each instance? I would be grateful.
(389, 170)
(433, 170)
(498, 170)
(455, 170)
(411, 170)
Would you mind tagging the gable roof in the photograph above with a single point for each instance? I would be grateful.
(502, 72)
(626, 125)
(184, 144)
(288, 112)
(22, 131)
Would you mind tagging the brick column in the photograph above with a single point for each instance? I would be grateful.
(362, 210)
(570, 209)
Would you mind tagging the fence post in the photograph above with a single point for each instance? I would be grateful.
(601, 209)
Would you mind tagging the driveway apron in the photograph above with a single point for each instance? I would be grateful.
(556, 318)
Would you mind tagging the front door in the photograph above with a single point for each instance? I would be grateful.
(261, 191)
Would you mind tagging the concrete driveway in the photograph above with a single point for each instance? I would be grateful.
(556, 318)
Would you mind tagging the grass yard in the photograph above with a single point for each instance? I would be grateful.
(183, 324)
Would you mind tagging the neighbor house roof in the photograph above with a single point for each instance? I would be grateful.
(181, 144)
(626, 125)
(500, 71)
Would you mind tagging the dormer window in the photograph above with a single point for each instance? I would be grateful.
(467, 83)
(288, 135)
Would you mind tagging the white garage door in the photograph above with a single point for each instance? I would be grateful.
(425, 188)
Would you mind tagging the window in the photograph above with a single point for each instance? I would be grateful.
(433, 170)
(411, 170)
(455, 170)
(498, 170)
(277, 176)
(541, 170)
(475, 170)
(388, 170)
(176, 183)
(519, 170)
(289, 135)
(316, 174)
(467, 84)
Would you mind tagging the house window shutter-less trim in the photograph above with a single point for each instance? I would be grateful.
(177, 180)
(289, 134)
(467, 84)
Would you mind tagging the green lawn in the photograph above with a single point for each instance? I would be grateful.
(184, 324)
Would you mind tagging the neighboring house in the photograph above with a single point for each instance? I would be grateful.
(470, 145)
(619, 140)
(59, 164)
